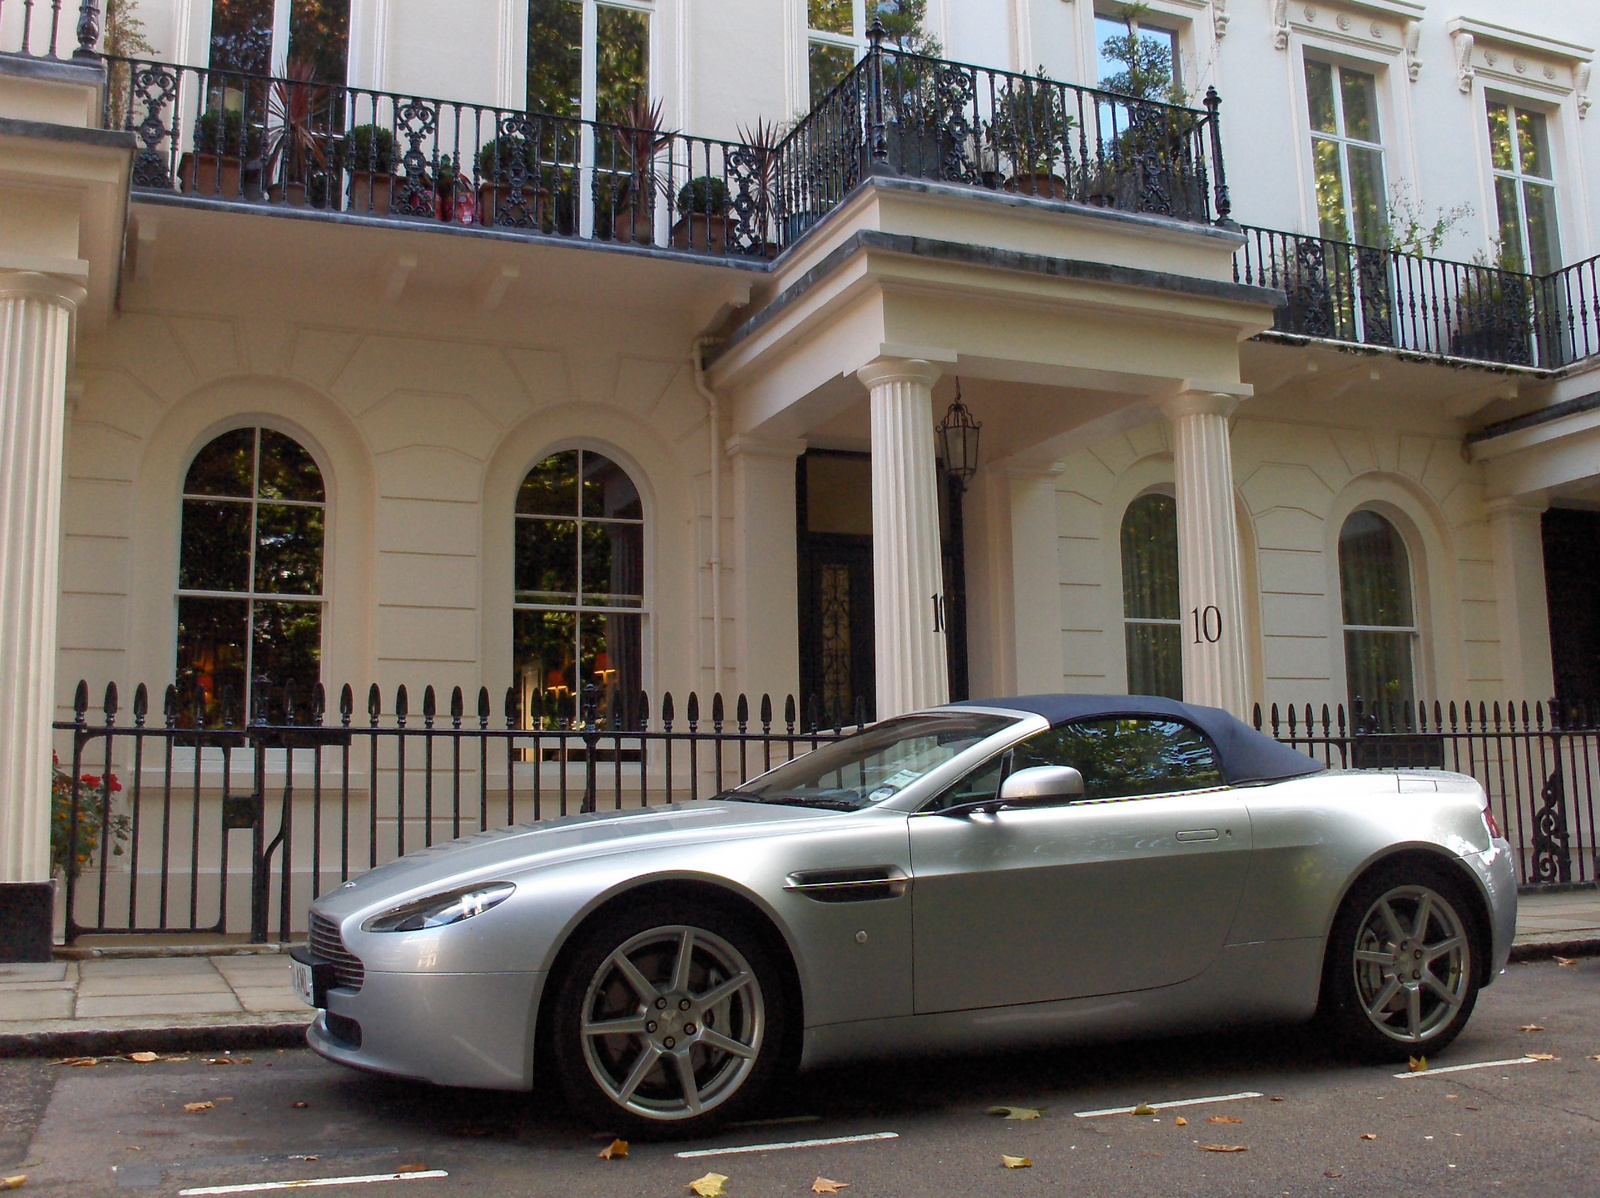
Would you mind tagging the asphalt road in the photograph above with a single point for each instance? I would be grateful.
(1534, 1129)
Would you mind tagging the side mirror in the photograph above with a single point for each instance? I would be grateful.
(1040, 786)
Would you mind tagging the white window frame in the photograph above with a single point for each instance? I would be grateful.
(856, 43)
(1342, 139)
(1412, 631)
(1515, 104)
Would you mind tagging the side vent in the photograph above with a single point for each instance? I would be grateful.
(856, 884)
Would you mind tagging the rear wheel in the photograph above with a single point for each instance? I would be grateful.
(669, 1019)
(1401, 976)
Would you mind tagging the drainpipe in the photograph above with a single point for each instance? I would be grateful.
(714, 414)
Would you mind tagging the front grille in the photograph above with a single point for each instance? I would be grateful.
(327, 945)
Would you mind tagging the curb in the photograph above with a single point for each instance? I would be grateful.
(1543, 950)
(109, 1042)
(122, 952)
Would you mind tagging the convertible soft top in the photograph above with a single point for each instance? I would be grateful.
(1247, 755)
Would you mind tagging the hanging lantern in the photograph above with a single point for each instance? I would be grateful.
(958, 437)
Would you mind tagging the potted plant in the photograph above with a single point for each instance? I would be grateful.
(508, 182)
(297, 137)
(368, 152)
(703, 220)
(1493, 311)
(1030, 137)
(216, 165)
(639, 138)
(758, 155)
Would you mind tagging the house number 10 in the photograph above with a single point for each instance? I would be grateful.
(1207, 624)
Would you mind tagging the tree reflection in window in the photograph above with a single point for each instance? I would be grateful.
(250, 583)
(565, 35)
(576, 623)
(1150, 615)
(1380, 628)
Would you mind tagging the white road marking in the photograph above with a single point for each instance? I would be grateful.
(1163, 1106)
(1430, 1071)
(877, 1135)
(256, 1187)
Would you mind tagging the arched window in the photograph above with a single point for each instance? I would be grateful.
(1380, 629)
(577, 621)
(1150, 615)
(250, 587)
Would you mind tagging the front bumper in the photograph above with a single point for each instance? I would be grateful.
(453, 1029)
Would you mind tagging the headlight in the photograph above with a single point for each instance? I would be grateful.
(437, 910)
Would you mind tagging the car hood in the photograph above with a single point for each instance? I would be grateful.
(559, 841)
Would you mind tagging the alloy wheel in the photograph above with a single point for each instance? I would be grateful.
(672, 1023)
(1413, 964)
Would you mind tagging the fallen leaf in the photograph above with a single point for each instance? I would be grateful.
(13, 1183)
(1418, 1064)
(1180, 1121)
(1014, 1112)
(1529, 1027)
(77, 1062)
(1223, 1119)
(229, 1061)
(310, 1157)
(1367, 1135)
(1452, 1097)
(614, 1151)
(1223, 1148)
(1540, 1056)
(196, 1107)
(1016, 1162)
(299, 1106)
(1596, 1057)
(1333, 1172)
(174, 1060)
(1144, 1108)
(825, 1185)
(1152, 1154)
(1564, 962)
(1472, 1108)
(412, 1169)
(144, 1058)
(1277, 1098)
(709, 1186)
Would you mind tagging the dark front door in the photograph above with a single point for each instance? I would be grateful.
(1572, 584)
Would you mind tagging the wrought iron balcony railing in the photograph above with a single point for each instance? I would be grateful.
(1383, 297)
(50, 30)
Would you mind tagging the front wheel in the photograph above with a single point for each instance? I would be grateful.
(1401, 976)
(668, 1021)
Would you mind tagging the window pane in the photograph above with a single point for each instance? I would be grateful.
(544, 647)
(547, 561)
(1533, 144)
(287, 647)
(215, 553)
(1500, 138)
(224, 466)
(831, 16)
(610, 655)
(1505, 199)
(607, 490)
(555, 56)
(241, 35)
(287, 470)
(622, 61)
(1543, 244)
(211, 657)
(1367, 203)
(288, 549)
(1319, 96)
(1374, 572)
(1107, 31)
(1150, 558)
(1155, 660)
(613, 564)
(1378, 672)
(829, 64)
(551, 488)
(319, 31)
(1120, 758)
(1330, 189)
(1359, 91)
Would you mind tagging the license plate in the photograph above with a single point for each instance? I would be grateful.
(301, 976)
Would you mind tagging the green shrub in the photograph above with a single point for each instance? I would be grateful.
(706, 195)
(370, 148)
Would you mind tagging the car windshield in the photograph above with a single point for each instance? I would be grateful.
(872, 765)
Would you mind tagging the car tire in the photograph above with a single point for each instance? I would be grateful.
(722, 1020)
(1392, 989)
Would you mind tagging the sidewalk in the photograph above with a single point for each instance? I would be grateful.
(236, 999)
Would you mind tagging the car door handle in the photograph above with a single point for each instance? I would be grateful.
(1199, 834)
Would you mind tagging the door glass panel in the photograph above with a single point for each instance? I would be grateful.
(1330, 190)
(828, 65)
(241, 35)
(837, 694)
(555, 57)
(1319, 96)
(1543, 246)
(1122, 758)
(1367, 195)
(1533, 144)
(1505, 199)
(831, 16)
(622, 62)
(1500, 152)
(1359, 92)
(319, 33)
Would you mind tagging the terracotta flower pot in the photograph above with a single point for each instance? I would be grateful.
(637, 227)
(703, 232)
(1041, 184)
(370, 193)
(496, 206)
(209, 175)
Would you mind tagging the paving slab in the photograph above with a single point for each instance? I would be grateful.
(160, 1004)
(44, 971)
(153, 984)
(35, 1004)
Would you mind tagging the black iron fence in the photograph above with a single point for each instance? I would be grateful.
(49, 29)
(147, 803)
(1374, 296)
(1539, 766)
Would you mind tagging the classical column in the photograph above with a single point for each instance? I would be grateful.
(1209, 589)
(36, 314)
(766, 612)
(907, 566)
(1521, 601)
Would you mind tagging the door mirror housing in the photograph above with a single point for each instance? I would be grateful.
(1041, 786)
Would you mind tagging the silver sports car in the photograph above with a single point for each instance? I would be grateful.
(1039, 869)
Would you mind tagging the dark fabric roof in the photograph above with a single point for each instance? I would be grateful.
(1247, 755)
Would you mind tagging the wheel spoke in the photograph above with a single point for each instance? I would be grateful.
(1414, 1013)
(1374, 958)
(727, 1044)
(641, 984)
(722, 990)
(1445, 994)
(1444, 946)
(1424, 912)
(691, 1088)
(631, 1026)
(637, 1074)
(1384, 997)
(1396, 932)
(680, 971)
